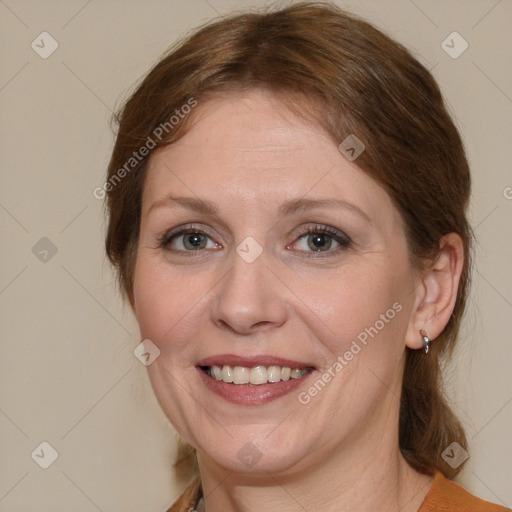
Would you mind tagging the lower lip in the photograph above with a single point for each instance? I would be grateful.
(245, 394)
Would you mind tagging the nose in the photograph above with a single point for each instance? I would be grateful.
(250, 298)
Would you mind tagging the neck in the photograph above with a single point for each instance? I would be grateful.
(378, 480)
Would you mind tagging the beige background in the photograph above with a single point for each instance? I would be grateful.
(68, 374)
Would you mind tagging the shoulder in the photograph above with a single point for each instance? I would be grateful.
(447, 496)
(188, 499)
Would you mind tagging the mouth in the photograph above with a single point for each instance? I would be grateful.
(252, 380)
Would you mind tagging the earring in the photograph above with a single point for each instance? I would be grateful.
(426, 341)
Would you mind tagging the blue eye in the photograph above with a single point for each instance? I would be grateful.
(191, 239)
(319, 239)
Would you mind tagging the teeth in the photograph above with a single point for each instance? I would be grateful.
(226, 374)
(216, 373)
(241, 375)
(295, 374)
(256, 376)
(274, 373)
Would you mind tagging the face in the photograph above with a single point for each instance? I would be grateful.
(263, 248)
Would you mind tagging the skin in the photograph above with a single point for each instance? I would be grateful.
(248, 155)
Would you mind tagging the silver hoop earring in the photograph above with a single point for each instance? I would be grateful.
(426, 341)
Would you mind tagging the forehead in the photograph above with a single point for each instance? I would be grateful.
(248, 128)
(249, 146)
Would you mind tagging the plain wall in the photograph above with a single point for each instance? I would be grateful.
(67, 371)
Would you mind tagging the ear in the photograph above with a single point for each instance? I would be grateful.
(437, 292)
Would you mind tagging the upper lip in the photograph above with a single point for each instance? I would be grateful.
(251, 361)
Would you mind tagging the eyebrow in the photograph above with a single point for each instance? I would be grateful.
(299, 205)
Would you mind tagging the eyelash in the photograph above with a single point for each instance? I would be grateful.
(337, 235)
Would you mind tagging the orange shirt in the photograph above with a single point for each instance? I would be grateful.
(447, 496)
(444, 496)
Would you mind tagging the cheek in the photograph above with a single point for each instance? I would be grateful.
(361, 319)
(165, 303)
(352, 303)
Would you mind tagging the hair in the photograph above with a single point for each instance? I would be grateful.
(349, 78)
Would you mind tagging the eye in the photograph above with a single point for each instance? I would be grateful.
(187, 240)
(314, 240)
(321, 239)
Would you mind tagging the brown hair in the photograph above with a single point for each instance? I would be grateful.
(352, 79)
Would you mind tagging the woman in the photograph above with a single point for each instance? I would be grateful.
(286, 201)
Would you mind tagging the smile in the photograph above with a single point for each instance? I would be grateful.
(253, 380)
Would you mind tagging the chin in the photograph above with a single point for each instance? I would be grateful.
(249, 454)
